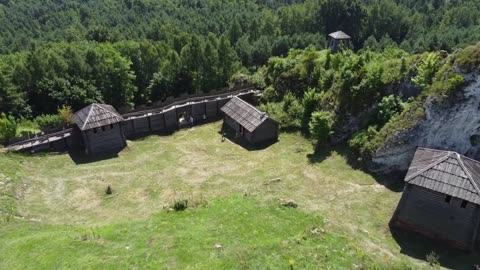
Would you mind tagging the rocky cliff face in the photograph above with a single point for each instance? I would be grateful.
(452, 125)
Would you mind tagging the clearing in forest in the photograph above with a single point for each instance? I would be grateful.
(63, 218)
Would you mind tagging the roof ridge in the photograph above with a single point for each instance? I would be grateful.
(427, 168)
(467, 172)
(88, 115)
(106, 108)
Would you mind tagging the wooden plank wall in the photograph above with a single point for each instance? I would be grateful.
(268, 131)
(167, 121)
(104, 139)
(151, 122)
(198, 110)
(157, 123)
(212, 108)
(427, 212)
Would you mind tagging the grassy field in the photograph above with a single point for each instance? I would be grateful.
(56, 213)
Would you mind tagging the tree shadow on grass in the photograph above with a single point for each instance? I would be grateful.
(79, 157)
(418, 246)
(392, 181)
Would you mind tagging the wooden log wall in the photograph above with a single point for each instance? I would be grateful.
(168, 120)
(141, 123)
(427, 212)
(104, 139)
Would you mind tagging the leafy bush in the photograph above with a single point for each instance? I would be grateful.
(360, 143)
(66, 114)
(311, 101)
(469, 58)
(446, 81)
(8, 128)
(388, 107)
(426, 70)
(287, 113)
(270, 95)
(321, 126)
(49, 121)
(63, 118)
(407, 120)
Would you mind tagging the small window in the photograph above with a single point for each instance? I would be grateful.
(448, 199)
(464, 204)
(103, 128)
(111, 126)
(94, 131)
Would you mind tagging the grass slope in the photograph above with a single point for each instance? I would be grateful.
(250, 236)
(63, 219)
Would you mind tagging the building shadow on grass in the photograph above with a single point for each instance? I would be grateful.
(392, 181)
(419, 247)
(79, 157)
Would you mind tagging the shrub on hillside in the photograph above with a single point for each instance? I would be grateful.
(66, 114)
(63, 118)
(469, 58)
(49, 121)
(388, 107)
(360, 143)
(8, 128)
(426, 70)
(321, 126)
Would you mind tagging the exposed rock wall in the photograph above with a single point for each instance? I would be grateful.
(452, 125)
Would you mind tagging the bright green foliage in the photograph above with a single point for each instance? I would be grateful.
(288, 112)
(133, 53)
(320, 126)
(311, 102)
(388, 107)
(124, 74)
(8, 127)
(446, 81)
(360, 141)
(426, 70)
(469, 58)
(66, 114)
(49, 121)
(407, 120)
(351, 84)
(416, 25)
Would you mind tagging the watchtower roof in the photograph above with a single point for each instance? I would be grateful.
(446, 172)
(95, 116)
(339, 35)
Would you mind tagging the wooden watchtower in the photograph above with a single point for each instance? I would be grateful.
(338, 40)
(101, 128)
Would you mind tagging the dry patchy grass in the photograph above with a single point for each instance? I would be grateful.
(194, 164)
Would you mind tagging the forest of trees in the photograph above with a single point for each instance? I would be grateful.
(128, 53)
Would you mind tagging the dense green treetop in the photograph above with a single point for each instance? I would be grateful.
(130, 53)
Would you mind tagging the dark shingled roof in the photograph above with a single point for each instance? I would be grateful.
(446, 172)
(243, 113)
(339, 35)
(95, 116)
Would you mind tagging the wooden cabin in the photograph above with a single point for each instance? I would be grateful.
(441, 199)
(338, 40)
(248, 122)
(101, 128)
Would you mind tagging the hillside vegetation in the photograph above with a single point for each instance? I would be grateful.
(135, 52)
